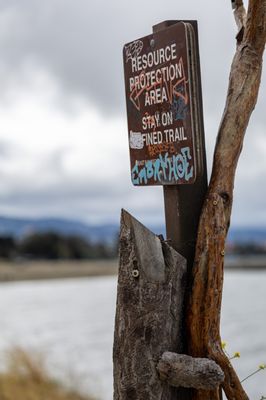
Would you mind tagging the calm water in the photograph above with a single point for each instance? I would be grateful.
(71, 323)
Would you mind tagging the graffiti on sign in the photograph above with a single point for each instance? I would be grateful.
(164, 168)
(133, 49)
(160, 108)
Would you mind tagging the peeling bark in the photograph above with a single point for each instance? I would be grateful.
(203, 314)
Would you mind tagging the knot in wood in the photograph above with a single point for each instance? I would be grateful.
(180, 370)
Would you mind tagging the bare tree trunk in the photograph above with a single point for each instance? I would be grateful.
(203, 314)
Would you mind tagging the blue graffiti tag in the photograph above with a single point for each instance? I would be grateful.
(164, 169)
(179, 108)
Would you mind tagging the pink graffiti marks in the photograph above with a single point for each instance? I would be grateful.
(133, 49)
(163, 84)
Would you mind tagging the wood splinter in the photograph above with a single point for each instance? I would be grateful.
(180, 370)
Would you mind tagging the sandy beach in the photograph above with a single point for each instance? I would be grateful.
(36, 270)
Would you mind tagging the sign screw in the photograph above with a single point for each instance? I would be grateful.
(222, 253)
(215, 202)
(135, 273)
(152, 42)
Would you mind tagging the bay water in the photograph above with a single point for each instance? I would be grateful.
(71, 322)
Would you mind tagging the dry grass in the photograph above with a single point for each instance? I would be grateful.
(27, 379)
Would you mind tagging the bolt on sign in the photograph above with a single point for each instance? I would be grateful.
(163, 107)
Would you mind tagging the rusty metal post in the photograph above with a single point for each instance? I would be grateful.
(183, 203)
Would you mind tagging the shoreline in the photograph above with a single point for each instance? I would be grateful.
(245, 262)
(39, 270)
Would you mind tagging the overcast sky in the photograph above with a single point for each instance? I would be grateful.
(63, 131)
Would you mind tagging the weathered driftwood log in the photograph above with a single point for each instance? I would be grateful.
(182, 370)
(149, 313)
(203, 322)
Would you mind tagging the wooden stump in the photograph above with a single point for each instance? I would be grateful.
(149, 314)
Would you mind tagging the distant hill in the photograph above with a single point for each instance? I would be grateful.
(247, 235)
(20, 227)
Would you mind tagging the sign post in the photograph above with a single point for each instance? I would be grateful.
(166, 143)
(165, 125)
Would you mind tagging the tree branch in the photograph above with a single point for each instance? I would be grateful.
(240, 18)
(203, 316)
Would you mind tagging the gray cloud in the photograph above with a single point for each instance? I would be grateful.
(5, 149)
(86, 200)
(80, 43)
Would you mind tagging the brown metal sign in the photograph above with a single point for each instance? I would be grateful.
(162, 107)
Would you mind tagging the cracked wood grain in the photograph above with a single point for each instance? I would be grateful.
(149, 312)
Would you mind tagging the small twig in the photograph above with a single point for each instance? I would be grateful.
(240, 18)
(236, 3)
(250, 375)
(261, 367)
